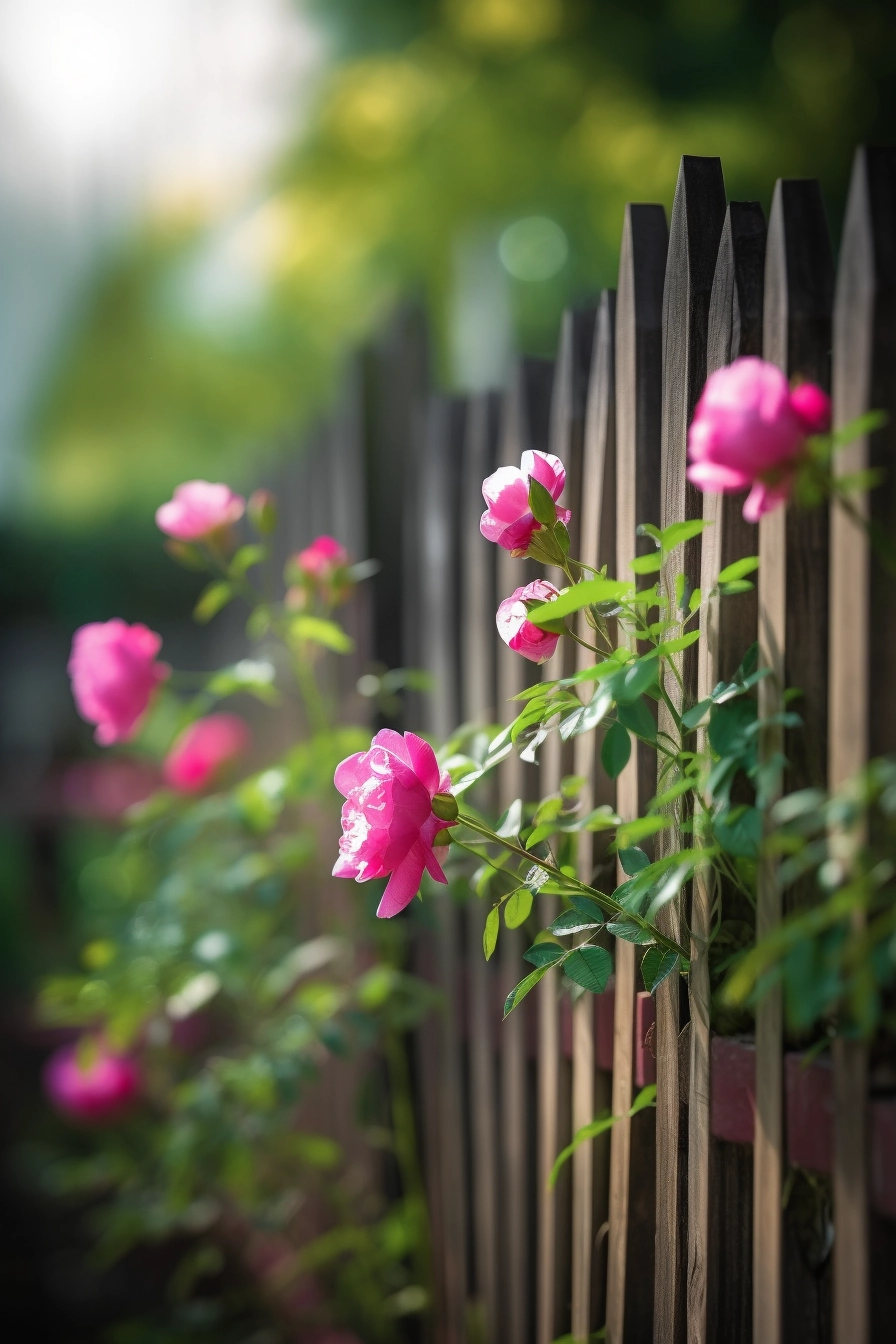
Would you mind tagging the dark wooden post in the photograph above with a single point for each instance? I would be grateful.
(697, 217)
(793, 616)
(863, 642)
(642, 267)
(729, 627)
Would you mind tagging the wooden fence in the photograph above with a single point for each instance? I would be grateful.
(758, 1200)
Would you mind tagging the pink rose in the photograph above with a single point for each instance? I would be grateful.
(199, 508)
(89, 1082)
(515, 628)
(114, 673)
(749, 431)
(202, 750)
(508, 519)
(322, 558)
(388, 824)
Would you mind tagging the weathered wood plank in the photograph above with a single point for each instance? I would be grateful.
(437, 626)
(596, 547)
(863, 646)
(642, 268)
(479, 701)
(525, 424)
(697, 217)
(567, 427)
(729, 627)
(793, 596)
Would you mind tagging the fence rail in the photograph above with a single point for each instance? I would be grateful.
(673, 1227)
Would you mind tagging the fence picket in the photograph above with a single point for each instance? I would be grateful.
(642, 267)
(525, 424)
(698, 214)
(479, 702)
(729, 628)
(863, 648)
(793, 578)
(590, 1094)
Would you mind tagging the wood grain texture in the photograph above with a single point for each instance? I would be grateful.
(566, 435)
(479, 701)
(596, 547)
(698, 214)
(437, 626)
(793, 615)
(639, 309)
(525, 424)
(863, 645)
(728, 628)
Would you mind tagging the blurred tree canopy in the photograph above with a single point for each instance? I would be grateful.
(436, 122)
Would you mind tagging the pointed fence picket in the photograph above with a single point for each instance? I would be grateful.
(672, 1227)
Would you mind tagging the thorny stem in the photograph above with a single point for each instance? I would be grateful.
(615, 907)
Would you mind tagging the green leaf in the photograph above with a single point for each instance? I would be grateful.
(544, 954)
(646, 1097)
(518, 907)
(544, 510)
(509, 825)
(319, 631)
(736, 586)
(580, 595)
(692, 716)
(572, 921)
(245, 558)
(615, 750)
(490, 932)
(587, 717)
(630, 832)
(631, 683)
(656, 966)
(590, 967)
(674, 645)
(679, 532)
(212, 600)
(729, 726)
(250, 676)
(695, 599)
(587, 905)
(629, 931)
(740, 569)
(638, 719)
(633, 860)
(519, 992)
(647, 564)
(739, 831)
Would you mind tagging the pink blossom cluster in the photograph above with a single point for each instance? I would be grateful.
(508, 519)
(199, 509)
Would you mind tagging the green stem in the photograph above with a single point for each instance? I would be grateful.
(313, 700)
(608, 903)
(405, 1141)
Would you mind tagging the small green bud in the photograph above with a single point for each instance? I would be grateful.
(444, 805)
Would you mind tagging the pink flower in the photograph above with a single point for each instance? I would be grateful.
(114, 673)
(388, 825)
(202, 750)
(322, 558)
(89, 1082)
(199, 508)
(749, 431)
(508, 519)
(517, 631)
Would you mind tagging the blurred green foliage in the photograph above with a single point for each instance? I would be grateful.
(434, 124)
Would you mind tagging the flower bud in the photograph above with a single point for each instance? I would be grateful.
(444, 805)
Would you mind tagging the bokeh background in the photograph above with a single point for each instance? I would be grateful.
(206, 205)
